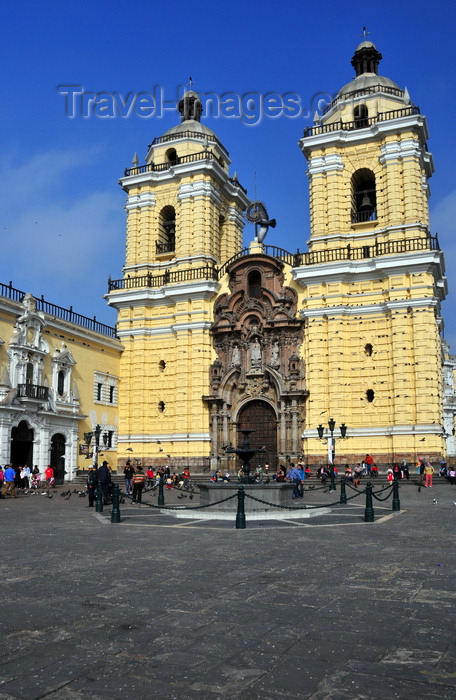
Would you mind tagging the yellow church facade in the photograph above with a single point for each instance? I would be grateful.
(348, 331)
(331, 353)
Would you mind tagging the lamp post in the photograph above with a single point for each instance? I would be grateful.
(87, 441)
(96, 434)
(332, 445)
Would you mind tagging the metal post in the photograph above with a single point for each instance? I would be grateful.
(99, 503)
(369, 512)
(396, 501)
(332, 485)
(240, 515)
(161, 495)
(343, 494)
(115, 513)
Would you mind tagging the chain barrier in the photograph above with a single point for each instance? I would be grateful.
(295, 508)
(387, 495)
(182, 507)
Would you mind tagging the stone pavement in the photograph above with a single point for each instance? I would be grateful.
(326, 608)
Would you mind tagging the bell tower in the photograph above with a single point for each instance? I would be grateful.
(373, 278)
(184, 220)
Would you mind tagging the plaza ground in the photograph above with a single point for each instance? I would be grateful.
(329, 607)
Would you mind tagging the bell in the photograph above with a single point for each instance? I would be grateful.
(366, 203)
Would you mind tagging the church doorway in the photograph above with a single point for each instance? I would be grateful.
(259, 416)
(58, 457)
(22, 445)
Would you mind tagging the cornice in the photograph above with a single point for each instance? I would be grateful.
(372, 268)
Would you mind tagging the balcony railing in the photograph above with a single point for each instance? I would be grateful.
(297, 259)
(167, 138)
(33, 391)
(167, 247)
(360, 123)
(69, 315)
(208, 272)
(371, 90)
(180, 160)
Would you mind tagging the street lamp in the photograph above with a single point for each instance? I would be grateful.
(96, 434)
(332, 445)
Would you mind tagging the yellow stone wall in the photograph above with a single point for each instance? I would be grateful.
(389, 305)
(166, 330)
(401, 197)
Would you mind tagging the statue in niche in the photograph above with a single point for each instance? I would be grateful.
(235, 356)
(255, 354)
(275, 354)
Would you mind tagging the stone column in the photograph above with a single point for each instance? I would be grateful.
(214, 429)
(294, 427)
(283, 428)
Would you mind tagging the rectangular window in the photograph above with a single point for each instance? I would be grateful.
(99, 388)
(111, 394)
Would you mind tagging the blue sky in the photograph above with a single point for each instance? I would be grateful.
(62, 221)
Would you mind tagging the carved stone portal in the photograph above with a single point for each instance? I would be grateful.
(257, 380)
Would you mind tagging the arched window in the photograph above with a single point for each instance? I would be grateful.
(364, 196)
(361, 114)
(29, 373)
(368, 349)
(161, 406)
(254, 284)
(166, 231)
(61, 382)
(370, 395)
(171, 156)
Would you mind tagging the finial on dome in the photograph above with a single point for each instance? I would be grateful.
(190, 105)
(366, 57)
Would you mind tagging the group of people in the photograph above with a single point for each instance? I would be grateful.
(136, 480)
(24, 478)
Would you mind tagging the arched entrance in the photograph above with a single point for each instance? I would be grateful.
(259, 416)
(58, 457)
(22, 445)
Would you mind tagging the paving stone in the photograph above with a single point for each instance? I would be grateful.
(158, 607)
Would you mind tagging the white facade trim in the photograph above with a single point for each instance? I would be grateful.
(200, 188)
(140, 201)
(205, 290)
(371, 268)
(172, 329)
(164, 437)
(343, 137)
(384, 431)
(325, 164)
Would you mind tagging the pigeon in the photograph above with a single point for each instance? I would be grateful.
(49, 495)
(68, 496)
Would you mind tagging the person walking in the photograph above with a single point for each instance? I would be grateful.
(9, 483)
(139, 479)
(428, 472)
(92, 481)
(104, 477)
(128, 474)
(295, 477)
